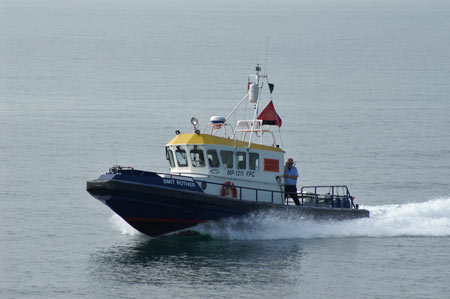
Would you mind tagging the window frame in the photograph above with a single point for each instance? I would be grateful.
(241, 154)
(250, 156)
(170, 157)
(225, 165)
(210, 163)
(179, 150)
(201, 155)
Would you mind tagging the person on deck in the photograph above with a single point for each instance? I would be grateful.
(290, 181)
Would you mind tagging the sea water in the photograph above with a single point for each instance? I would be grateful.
(362, 88)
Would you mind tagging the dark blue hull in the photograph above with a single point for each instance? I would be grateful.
(156, 206)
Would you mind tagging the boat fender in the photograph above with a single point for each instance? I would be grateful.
(228, 188)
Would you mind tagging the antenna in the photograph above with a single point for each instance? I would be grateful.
(267, 53)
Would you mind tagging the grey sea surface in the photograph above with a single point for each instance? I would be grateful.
(363, 88)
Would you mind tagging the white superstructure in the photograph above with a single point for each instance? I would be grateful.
(241, 160)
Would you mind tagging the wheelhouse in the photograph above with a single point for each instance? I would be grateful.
(214, 159)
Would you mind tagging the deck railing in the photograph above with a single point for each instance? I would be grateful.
(338, 196)
(200, 183)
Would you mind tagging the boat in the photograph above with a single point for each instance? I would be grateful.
(225, 170)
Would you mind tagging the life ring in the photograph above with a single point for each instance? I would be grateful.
(228, 188)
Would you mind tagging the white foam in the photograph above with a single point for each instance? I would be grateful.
(121, 225)
(431, 218)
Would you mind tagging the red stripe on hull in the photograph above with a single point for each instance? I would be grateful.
(164, 220)
(155, 227)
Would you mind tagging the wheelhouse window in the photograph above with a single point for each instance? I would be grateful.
(253, 159)
(180, 154)
(241, 160)
(169, 156)
(213, 158)
(197, 158)
(227, 159)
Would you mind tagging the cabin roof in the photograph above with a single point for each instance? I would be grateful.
(210, 139)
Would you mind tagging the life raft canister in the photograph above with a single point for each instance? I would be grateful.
(228, 188)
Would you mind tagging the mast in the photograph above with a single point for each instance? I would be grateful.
(251, 127)
(254, 98)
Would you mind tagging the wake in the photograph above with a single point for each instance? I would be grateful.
(430, 218)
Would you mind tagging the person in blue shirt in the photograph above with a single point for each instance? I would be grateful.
(290, 181)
